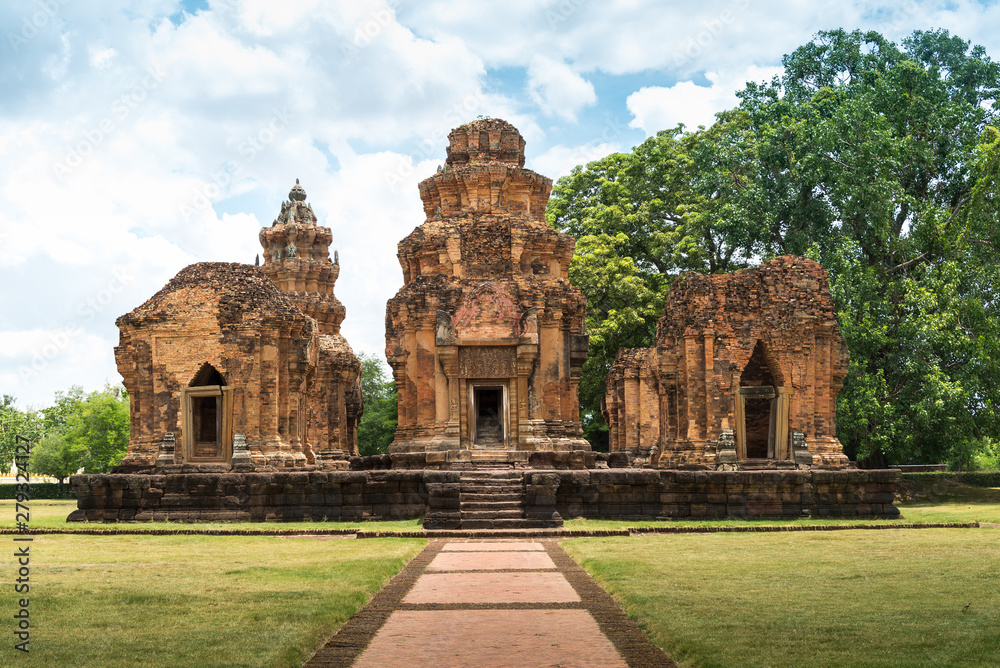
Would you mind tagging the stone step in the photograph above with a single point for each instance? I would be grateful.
(492, 489)
(490, 481)
(480, 474)
(492, 514)
(491, 505)
(491, 496)
(492, 484)
(521, 523)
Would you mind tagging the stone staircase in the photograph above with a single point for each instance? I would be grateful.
(492, 499)
(489, 498)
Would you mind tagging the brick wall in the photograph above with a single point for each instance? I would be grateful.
(347, 496)
(407, 494)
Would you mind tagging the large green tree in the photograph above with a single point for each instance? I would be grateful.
(54, 455)
(638, 222)
(879, 160)
(93, 428)
(15, 422)
(378, 422)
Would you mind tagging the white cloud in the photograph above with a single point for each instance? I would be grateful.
(356, 98)
(557, 89)
(101, 58)
(658, 108)
(559, 160)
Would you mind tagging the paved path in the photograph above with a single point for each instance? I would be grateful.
(490, 603)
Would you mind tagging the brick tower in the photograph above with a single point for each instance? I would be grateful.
(486, 337)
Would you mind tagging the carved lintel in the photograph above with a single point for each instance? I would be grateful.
(487, 362)
(761, 392)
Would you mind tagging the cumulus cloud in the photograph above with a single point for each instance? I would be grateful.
(557, 89)
(137, 138)
(560, 160)
(656, 108)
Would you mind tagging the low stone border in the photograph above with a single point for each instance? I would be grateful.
(188, 532)
(492, 533)
(495, 533)
(804, 527)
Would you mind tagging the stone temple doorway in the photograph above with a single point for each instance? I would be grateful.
(207, 415)
(761, 409)
(489, 416)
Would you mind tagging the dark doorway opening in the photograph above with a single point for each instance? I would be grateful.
(757, 387)
(207, 420)
(758, 427)
(489, 415)
(207, 426)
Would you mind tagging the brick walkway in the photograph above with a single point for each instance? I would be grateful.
(490, 603)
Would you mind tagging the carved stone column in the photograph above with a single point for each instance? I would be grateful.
(448, 357)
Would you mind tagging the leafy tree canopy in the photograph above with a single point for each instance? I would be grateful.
(15, 422)
(378, 422)
(880, 161)
(53, 455)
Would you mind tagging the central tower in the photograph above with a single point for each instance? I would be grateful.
(487, 337)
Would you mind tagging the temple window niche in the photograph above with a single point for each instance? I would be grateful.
(762, 409)
(207, 415)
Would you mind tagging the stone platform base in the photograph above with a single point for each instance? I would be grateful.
(464, 499)
(458, 460)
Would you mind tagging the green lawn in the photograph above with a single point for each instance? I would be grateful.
(191, 600)
(857, 598)
(843, 598)
(51, 514)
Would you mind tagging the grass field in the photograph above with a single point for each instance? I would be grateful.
(191, 600)
(845, 598)
(51, 514)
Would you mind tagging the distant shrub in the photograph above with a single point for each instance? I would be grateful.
(39, 490)
(974, 478)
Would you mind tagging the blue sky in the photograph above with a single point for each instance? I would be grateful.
(140, 136)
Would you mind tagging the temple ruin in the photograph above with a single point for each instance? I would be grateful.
(245, 399)
(487, 337)
(744, 374)
(232, 364)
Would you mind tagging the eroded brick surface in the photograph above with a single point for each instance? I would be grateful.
(742, 362)
(486, 303)
(267, 339)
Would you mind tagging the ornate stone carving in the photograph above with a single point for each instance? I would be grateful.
(486, 258)
(444, 332)
(488, 312)
(487, 362)
(297, 193)
(726, 448)
(241, 452)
